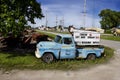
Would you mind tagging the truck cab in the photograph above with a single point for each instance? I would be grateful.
(63, 47)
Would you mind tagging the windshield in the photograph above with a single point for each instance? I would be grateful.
(58, 39)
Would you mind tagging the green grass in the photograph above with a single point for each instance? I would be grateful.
(52, 36)
(108, 31)
(12, 60)
(110, 37)
(106, 37)
(66, 32)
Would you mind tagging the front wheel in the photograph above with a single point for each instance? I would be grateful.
(48, 57)
(91, 57)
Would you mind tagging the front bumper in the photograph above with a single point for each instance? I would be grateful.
(37, 53)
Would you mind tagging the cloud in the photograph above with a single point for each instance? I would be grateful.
(72, 16)
(72, 10)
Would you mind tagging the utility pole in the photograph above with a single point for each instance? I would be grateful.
(56, 21)
(93, 21)
(84, 14)
(46, 23)
(63, 21)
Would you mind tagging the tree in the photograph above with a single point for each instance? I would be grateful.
(15, 14)
(109, 19)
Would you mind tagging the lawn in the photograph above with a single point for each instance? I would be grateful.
(110, 37)
(17, 60)
(13, 60)
(52, 36)
(106, 37)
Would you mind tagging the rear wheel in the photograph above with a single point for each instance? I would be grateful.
(48, 57)
(91, 57)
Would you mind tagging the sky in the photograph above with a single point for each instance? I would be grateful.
(71, 11)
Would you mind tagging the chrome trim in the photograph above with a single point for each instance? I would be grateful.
(37, 53)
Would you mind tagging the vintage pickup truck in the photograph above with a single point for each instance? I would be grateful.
(64, 47)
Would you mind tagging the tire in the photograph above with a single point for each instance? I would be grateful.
(48, 58)
(91, 57)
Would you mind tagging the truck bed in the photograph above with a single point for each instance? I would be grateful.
(84, 51)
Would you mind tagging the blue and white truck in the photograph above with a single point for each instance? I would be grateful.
(64, 47)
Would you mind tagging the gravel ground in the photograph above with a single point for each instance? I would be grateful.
(109, 71)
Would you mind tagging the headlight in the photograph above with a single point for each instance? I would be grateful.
(41, 45)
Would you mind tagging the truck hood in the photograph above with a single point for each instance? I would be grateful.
(46, 44)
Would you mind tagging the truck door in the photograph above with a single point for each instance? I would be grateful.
(68, 49)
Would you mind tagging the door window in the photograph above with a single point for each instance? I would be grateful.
(67, 41)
